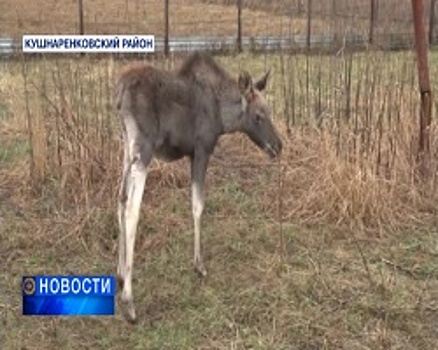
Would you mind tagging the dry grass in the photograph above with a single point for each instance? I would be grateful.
(334, 247)
(346, 117)
(339, 16)
(317, 294)
(389, 11)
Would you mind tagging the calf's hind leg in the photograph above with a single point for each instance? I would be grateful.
(135, 179)
(121, 214)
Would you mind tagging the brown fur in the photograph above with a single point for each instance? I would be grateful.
(171, 115)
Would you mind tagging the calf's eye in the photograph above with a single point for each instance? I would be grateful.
(258, 118)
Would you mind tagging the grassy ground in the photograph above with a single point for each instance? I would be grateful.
(321, 294)
(277, 279)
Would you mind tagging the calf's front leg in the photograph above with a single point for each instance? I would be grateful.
(199, 166)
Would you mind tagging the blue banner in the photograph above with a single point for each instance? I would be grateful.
(69, 295)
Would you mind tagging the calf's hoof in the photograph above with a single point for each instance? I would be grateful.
(131, 316)
(129, 309)
(200, 269)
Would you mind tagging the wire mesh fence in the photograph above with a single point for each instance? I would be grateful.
(293, 23)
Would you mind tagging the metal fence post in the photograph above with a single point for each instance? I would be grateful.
(166, 27)
(239, 25)
(372, 21)
(424, 83)
(431, 21)
(309, 23)
(81, 17)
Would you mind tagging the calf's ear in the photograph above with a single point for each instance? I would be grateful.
(261, 83)
(245, 83)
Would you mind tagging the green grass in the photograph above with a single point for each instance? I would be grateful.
(318, 295)
(13, 149)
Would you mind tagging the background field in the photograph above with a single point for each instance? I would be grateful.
(187, 17)
(210, 17)
(333, 246)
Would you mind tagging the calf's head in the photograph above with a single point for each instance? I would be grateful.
(256, 115)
